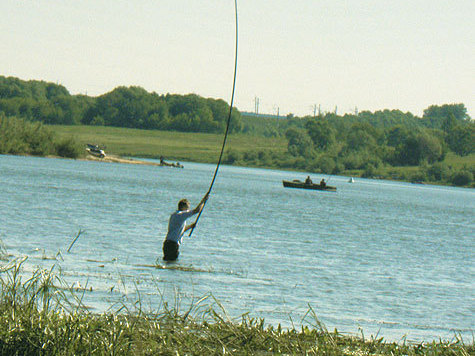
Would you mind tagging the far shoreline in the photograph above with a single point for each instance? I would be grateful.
(139, 161)
(242, 151)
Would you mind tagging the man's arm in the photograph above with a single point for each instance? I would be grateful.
(188, 227)
(200, 206)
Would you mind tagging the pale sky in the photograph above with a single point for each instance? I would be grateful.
(293, 54)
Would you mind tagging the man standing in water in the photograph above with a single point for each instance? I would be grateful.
(177, 227)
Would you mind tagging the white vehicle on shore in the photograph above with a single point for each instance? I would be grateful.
(95, 151)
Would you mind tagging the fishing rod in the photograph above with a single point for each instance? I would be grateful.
(229, 117)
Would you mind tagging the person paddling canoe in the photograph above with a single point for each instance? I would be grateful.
(177, 227)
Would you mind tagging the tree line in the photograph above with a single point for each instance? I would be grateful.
(131, 107)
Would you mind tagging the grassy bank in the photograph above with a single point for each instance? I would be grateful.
(41, 316)
(177, 146)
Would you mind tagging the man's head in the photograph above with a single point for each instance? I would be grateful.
(183, 205)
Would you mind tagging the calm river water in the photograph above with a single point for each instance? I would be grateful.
(377, 256)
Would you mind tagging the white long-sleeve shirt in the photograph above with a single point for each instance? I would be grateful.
(176, 225)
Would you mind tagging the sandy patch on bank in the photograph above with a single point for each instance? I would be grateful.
(116, 159)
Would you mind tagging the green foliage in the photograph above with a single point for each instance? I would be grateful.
(397, 135)
(68, 148)
(419, 176)
(136, 108)
(379, 119)
(11, 87)
(300, 143)
(439, 172)
(321, 133)
(231, 157)
(41, 101)
(445, 116)
(461, 139)
(18, 136)
(358, 140)
(130, 107)
(370, 171)
(325, 164)
(419, 148)
(462, 178)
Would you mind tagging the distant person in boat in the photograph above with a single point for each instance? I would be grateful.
(308, 180)
(177, 227)
(322, 183)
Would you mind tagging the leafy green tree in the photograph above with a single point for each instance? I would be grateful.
(299, 143)
(360, 139)
(326, 164)
(321, 133)
(397, 135)
(436, 116)
(449, 123)
(459, 111)
(419, 148)
(55, 90)
(461, 139)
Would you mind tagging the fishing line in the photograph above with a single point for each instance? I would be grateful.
(229, 116)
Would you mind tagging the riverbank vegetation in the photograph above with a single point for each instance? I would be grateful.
(18, 136)
(438, 147)
(251, 151)
(42, 316)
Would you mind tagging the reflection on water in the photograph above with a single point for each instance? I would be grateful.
(379, 255)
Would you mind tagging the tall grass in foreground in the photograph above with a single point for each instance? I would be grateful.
(40, 316)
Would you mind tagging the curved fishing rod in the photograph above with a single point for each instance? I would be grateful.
(229, 117)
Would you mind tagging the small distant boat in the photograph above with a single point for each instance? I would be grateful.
(302, 185)
(95, 150)
(351, 180)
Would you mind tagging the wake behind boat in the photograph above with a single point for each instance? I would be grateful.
(307, 185)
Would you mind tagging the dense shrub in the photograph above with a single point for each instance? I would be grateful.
(439, 171)
(231, 157)
(326, 164)
(68, 148)
(419, 176)
(370, 171)
(339, 168)
(462, 178)
(18, 136)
